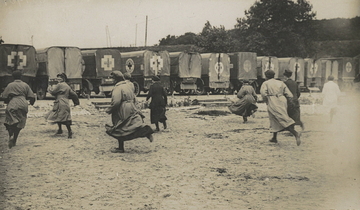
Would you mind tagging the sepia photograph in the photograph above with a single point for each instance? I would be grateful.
(179, 104)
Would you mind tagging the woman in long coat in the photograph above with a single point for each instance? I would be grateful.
(293, 103)
(158, 96)
(16, 95)
(127, 120)
(274, 93)
(245, 106)
(60, 113)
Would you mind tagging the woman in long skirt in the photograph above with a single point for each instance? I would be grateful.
(16, 95)
(245, 106)
(60, 114)
(127, 120)
(158, 96)
(274, 93)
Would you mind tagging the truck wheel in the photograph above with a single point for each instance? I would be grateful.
(40, 93)
(199, 87)
(136, 88)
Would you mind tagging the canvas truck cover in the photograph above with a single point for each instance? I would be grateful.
(195, 65)
(345, 67)
(294, 64)
(147, 63)
(162, 66)
(185, 65)
(59, 60)
(107, 60)
(313, 68)
(179, 64)
(329, 67)
(17, 57)
(265, 63)
(89, 63)
(216, 66)
(137, 63)
(243, 66)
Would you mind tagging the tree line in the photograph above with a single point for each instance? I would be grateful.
(278, 28)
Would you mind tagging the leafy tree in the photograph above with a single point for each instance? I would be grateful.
(187, 38)
(277, 27)
(169, 40)
(214, 39)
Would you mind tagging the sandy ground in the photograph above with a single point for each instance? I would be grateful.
(201, 161)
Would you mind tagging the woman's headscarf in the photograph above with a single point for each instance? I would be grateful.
(117, 76)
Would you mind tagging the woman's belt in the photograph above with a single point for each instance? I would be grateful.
(277, 95)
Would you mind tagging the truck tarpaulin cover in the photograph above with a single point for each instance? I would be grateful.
(296, 65)
(162, 67)
(137, 63)
(147, 63)
(59, 60)
(185, 65)
(73, 63)
(216, 66)
(347, 68)
(17, 57)
(330, 67)
(107, 60)
(267, 63)
(313, 68)
(243, 66)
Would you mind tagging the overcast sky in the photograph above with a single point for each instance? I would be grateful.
(89, 23)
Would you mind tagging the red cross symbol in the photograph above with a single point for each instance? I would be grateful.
(17, 60)
(107, 62)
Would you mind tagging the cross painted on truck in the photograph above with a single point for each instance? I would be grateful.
(156, 63)
(348, 67)
(107, 63)
(269, 66)
(313, 69)
(17, 58)
(297, 66)
(129, 65)
(247, 65)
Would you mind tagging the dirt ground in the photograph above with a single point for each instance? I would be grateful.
(206, 159)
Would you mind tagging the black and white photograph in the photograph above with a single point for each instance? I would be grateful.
(180, 104)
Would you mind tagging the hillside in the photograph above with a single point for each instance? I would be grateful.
(337, 48)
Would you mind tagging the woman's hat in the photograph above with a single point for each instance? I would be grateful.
(17, 74)
(269, 74)
(287, 73)
(331, 78)
(155, 78)
(63, 76)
